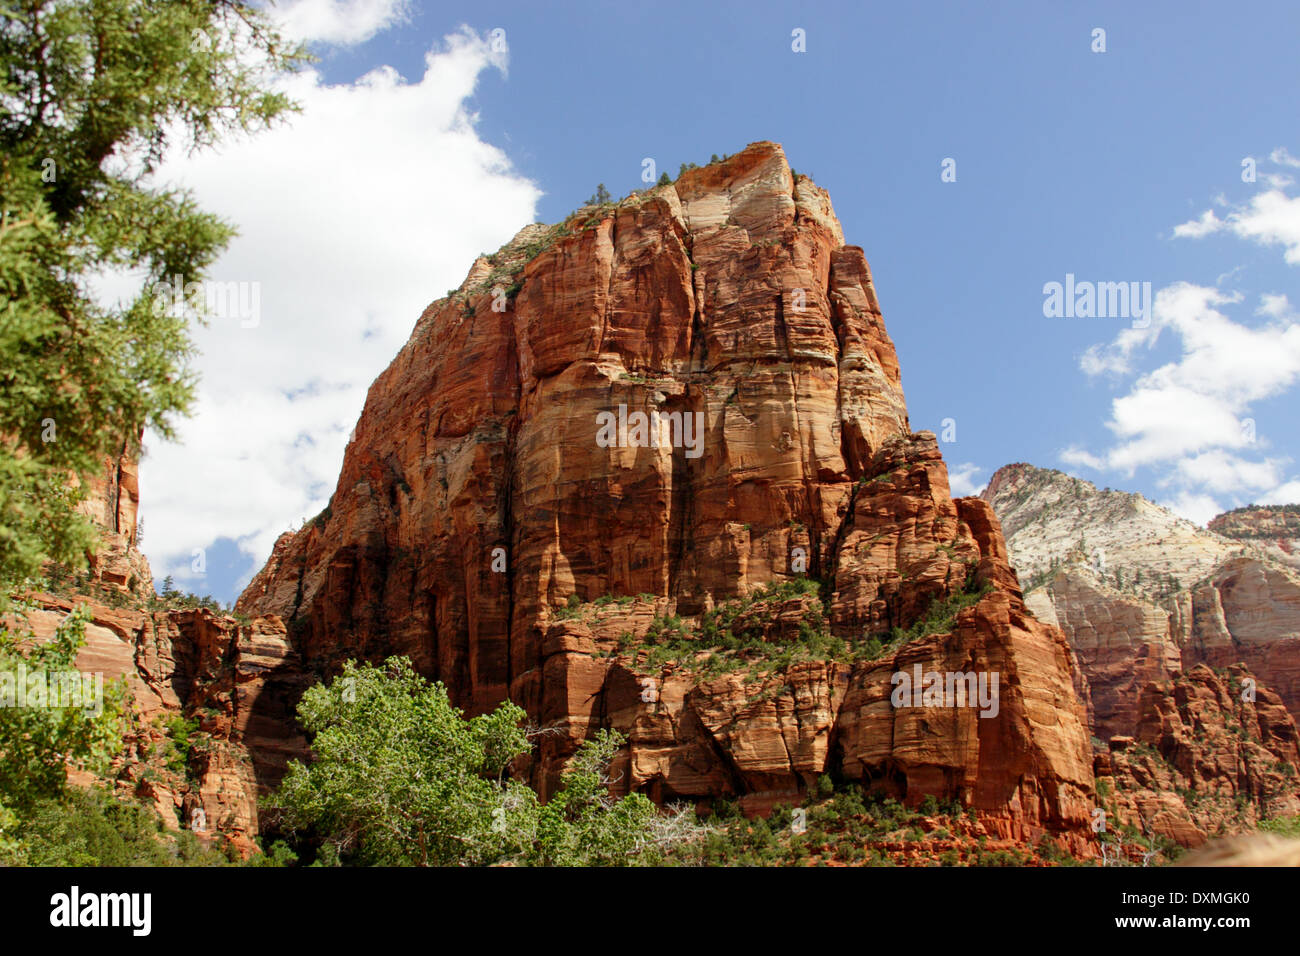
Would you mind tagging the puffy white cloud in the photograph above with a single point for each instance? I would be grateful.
(1199, 508)
(1275, 306)
(1201, 400)
(964, 479)
(1081, 458)
(1286, 494)
(1190, 418)
(1197, 228)
(1223, 472)
(1283, 158)
(1270, 217)
(353, 217)
(337, 22)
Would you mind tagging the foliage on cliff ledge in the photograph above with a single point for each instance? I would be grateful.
(736, 634)
(847, 826)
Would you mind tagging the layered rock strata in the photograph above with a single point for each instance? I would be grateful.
(680, 398)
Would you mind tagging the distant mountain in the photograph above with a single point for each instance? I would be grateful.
(1272, 529)
(1053, 520)
(1143, 594)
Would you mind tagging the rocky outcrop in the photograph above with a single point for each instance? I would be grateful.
(237, 684)
(1248, 611)
(1053, 520)
(112, 500)
(764, 733)
(210, 716)
(686, 395)
(1273, 530)
(1147, 601)
(1121, 642)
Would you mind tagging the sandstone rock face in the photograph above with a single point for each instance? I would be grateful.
(112, 501)
(1049, 516)
(1121, 643)
(1273, 530)
(1249, 612)
(1147, 601)
(678, 399)
(239, 682)
(1027, 771)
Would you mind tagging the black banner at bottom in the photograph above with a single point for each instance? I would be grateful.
(178, 906)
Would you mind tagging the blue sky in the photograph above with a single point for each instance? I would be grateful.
(1067, 161)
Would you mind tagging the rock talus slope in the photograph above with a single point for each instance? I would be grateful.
(1204, 761)
(477, 504)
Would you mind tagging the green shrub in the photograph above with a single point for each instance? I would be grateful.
(90, 827)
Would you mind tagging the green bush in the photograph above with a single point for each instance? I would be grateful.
(90, 827)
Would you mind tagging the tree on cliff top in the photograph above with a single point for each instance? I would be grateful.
(401, 778)
(93, 91)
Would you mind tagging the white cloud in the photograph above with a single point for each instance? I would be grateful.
(1201, 400)
(965, 480)
(337, 22)
(1287, 494)
(1274, 306)
(1197, 228)
(1221, 471)
(353, 217)
(1283, 158)
(1269, 218)
(1191, 417)
(1078, 457)
(1199, 508)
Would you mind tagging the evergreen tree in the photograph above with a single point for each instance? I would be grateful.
(92, 92)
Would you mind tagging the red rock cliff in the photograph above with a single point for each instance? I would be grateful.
(477, 500)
